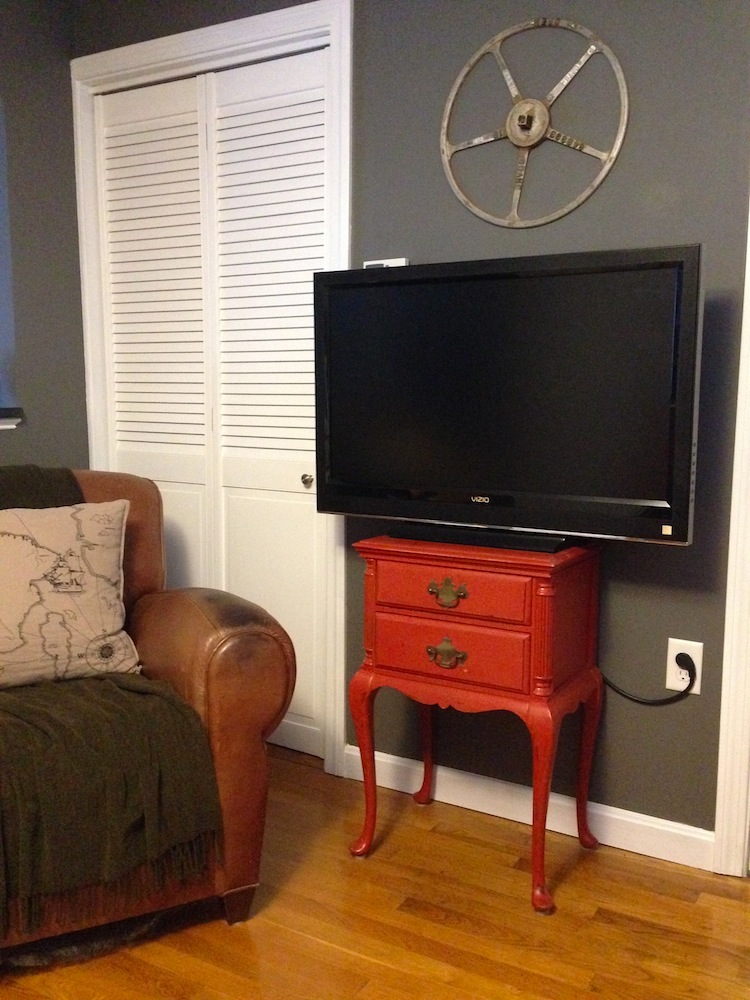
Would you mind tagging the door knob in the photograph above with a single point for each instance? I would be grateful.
(307, 480)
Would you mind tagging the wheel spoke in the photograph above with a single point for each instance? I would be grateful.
(515, 93)
(572, 72)
(480, 140)
(573, 143)
(523, 159)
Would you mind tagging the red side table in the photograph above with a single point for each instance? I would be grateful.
(479, 629)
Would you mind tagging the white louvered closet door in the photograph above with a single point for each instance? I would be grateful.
(214, 197)
(269, 228)
(153, 160)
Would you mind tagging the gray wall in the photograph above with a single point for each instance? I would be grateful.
(681, 177)
(48, 375)
(107, 24)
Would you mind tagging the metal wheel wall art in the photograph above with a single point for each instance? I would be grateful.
(528, 124)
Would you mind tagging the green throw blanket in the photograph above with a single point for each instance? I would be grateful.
(98, 776)
(34, 486)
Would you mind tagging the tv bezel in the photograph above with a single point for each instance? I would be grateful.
(546, 516)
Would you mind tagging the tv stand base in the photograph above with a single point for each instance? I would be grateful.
(489, 537)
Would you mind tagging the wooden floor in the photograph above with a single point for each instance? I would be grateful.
(439, 911)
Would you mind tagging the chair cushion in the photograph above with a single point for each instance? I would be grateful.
(61, 609)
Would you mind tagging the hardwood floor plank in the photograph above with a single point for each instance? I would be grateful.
(44, 987)
(402, 942)
(259, 964)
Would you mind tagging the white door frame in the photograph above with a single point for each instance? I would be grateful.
(253, 39)
(732, 827)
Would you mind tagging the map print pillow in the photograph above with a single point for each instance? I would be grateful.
(61, 610)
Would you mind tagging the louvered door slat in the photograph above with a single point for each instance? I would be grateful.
(289, 191)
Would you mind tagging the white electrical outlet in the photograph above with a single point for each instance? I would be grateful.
(677, 676)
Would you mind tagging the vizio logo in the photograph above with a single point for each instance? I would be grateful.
(480, 499)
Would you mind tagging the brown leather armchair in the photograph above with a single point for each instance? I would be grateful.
(235, 665)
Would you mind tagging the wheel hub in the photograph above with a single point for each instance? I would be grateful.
(527, 122)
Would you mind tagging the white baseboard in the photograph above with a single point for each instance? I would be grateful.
(649, 835)
(296, 734)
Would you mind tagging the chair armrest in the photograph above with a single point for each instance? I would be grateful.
(235, 665)
(221, 653)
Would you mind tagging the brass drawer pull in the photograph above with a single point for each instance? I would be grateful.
(446, 655)
(446, 594)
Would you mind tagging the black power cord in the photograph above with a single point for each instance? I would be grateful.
(685, 662)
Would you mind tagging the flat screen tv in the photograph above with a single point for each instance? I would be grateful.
(547, 396)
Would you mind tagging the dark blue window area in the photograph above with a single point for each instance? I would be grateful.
(8, 403)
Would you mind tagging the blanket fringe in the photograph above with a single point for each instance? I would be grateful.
(181, 864)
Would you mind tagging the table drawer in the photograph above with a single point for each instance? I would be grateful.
(457, 652)
(496, 596)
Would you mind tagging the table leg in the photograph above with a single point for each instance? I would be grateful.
(424, 795)
(361, 700)
(544, 729)
(592, 708)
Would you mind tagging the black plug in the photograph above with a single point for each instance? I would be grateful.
(685, 662)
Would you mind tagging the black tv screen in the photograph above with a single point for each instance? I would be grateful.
(549, 394)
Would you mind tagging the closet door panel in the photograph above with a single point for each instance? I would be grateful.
(270, 167)
(269, 151)
(272, 557)
(159, 398)
(186, 514)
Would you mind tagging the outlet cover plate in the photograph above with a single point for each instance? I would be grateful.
(677, 678)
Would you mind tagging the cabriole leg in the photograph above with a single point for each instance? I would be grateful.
(592, 708)
(361, 701)
(424, 795)
(544, 731)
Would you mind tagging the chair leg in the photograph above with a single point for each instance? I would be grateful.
(237, 903)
